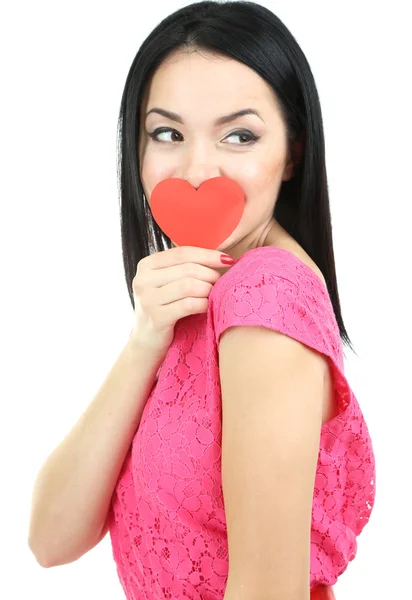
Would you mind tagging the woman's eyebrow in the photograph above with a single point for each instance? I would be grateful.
(220, 121)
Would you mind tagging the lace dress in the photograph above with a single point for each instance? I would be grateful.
(167, 519)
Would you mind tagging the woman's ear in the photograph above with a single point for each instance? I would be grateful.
(295, 159)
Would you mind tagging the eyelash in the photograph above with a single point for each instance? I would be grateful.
(156, 132)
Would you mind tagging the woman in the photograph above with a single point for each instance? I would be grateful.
(251, 472)
(204, 61)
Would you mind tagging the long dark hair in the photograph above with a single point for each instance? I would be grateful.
(253, 35)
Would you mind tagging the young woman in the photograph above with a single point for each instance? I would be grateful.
(245, 469)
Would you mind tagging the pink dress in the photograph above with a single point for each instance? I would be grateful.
(167, 518)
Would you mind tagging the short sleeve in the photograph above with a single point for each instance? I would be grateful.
(277, 291)
(272, 288)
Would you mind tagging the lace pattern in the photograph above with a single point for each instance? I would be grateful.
(167, 520)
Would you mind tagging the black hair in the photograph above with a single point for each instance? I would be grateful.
(255, 36)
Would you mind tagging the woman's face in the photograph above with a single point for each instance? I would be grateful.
(201, 88)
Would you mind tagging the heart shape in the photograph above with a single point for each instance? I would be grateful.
(204, 217)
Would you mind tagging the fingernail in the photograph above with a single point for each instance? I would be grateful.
(227, 260)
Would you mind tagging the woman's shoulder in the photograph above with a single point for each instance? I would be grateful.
(278, 237)
(303, 256)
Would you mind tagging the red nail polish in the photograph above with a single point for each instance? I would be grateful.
(227, 260)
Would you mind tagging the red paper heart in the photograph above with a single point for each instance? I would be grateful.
(204, 217)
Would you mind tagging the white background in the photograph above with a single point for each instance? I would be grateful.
(65, 311)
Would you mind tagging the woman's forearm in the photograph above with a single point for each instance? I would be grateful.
(73, 489)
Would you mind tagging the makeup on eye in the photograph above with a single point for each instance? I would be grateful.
(240, 132)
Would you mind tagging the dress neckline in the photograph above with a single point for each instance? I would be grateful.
(296, 259)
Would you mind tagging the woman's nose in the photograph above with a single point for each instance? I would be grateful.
(199, 165)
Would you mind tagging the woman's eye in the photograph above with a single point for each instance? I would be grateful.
(242, 134)
(154, 135)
